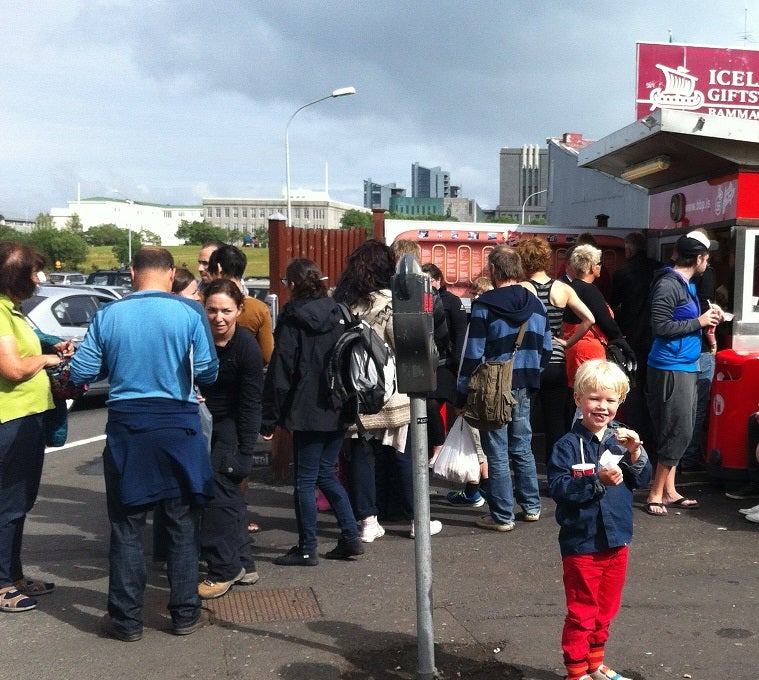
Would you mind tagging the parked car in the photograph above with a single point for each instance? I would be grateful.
(66, 278)
(257, 287)
(66, 312)
(110, 277)
(114, 292)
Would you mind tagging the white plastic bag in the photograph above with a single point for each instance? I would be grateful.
(457, 460)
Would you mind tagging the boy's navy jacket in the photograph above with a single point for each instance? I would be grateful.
(591, 516)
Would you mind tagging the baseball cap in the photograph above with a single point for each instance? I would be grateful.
(694, 243)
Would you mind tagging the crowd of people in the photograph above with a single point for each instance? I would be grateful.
(220, 354)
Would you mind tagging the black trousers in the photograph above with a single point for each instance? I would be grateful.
(225, 543)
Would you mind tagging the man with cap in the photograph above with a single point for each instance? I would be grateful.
(676, 325)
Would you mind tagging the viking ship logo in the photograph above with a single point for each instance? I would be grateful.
(679, 91)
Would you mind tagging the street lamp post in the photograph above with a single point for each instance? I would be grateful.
(128, 201)
(542, 191)
(341, 92)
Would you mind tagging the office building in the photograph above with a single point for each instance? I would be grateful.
(309, 209)
(430, 182)
(523, 182)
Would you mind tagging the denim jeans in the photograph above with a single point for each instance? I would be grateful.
(128, 572)
(314, 464)
(381, 480)
(513, 442)
(692, 454)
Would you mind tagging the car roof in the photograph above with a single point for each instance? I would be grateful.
(47, 291)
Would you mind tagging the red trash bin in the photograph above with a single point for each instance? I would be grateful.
(734, 397)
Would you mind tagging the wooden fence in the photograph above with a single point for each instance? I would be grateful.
(329, 248)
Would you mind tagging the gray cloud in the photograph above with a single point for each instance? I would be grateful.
(177, 100)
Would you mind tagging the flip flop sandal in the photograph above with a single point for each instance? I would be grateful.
(684, 503)
(11, 600)
(650, 509)
(31, 586)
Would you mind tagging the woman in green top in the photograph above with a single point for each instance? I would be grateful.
(24, 397)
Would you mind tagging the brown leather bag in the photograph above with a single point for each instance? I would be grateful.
(488, 399)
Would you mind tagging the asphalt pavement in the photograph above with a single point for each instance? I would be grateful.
(689, 607)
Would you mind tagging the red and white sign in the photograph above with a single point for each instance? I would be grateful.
(715, 80)
(732, 197)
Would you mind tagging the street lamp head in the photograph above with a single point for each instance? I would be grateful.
(341, 92)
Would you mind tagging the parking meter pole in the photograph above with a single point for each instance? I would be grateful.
(416, 364)
(422, 543)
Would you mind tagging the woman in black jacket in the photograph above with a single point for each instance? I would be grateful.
(235, 403)
(297, 397)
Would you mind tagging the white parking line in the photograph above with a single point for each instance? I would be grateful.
(71, 445)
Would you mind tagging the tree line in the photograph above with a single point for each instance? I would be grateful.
(66, 248)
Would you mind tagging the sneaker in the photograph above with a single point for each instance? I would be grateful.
(460, 498)
(753, 517)
(436, 526)
(13, 600)
(250, 578)
(749, 511)
(111, 631)
(529, 516)
(210, 590)
(605, 673)
(202, 621)
(296, 558)
(748, 491)
(487, 522)
(369, 531)
(345, 550)
(32, 586)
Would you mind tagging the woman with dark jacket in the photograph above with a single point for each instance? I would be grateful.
(297, 398)
(234, 401)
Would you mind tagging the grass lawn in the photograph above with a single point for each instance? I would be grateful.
(101, 257)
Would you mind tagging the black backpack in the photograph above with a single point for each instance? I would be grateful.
(361, 369)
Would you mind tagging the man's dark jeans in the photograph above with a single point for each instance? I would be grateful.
(128, 571)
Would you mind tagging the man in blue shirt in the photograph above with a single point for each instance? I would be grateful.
(152, 345)
(676, 324)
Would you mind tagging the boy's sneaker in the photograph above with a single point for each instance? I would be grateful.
(296, 558)
(368, 531)
(460, 498)
(344, 550)
(750, 511)
(605, 673)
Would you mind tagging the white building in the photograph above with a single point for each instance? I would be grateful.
(310, 209)
(127, 214)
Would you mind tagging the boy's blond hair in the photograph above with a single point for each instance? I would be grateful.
(601, 374)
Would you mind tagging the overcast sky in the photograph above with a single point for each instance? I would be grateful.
(171, 101)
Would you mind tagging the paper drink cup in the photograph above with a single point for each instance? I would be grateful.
(582, 469)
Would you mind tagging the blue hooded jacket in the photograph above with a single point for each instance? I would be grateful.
(496, 318)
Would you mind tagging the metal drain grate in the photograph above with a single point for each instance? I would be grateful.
(253, 606)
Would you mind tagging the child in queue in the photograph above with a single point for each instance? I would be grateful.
(592, 473)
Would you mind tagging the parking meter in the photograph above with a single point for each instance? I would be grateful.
(416, 356)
